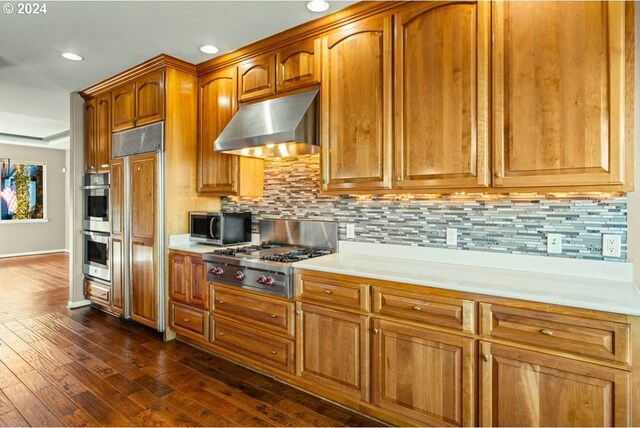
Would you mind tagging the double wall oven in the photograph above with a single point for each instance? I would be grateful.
(97, 227)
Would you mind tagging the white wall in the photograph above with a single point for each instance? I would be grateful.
(46, 236)
(633, 204)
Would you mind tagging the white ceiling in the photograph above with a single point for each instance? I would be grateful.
(35, 81)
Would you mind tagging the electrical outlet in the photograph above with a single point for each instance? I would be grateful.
(611, 245)
(452, 237)
(351, 231)
(554, 243)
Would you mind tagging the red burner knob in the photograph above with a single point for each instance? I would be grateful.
(269, 282)
(218, 272)
(261, 279)
(239, 276)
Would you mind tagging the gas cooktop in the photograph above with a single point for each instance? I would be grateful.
(267, 267)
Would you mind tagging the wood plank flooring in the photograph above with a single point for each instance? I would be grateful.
(82, 367)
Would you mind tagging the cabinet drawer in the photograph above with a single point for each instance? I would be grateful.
(98, 293)
(442, 311)
(595, 338)
(349, 294)
(262, 312)
(191, 321)
(262, 347)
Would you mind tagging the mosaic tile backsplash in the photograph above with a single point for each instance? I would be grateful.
(500, 223)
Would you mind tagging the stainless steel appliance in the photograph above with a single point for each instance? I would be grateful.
(268, 267)
(281, 127)
(96, 203)
(140, 258)
(97, 255)
(220, 228)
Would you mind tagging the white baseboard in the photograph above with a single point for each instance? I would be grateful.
(78, 304)
(33, 253)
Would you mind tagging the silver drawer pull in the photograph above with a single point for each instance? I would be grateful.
(417, 308)
(221, 334)
(376, 331)
(273, 352)
(328, 292)
(485, 358)
(221, 301)
(273, 315)
(186, 320)
(546, 332)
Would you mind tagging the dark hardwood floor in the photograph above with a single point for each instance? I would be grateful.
(82, 367)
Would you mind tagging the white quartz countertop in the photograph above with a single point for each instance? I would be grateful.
(615, 296)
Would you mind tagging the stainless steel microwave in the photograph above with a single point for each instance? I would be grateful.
(220, 228)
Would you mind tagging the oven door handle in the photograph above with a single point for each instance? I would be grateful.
(100, 187)
(96, 234)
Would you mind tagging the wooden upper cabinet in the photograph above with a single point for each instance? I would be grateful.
(441, 96)
(524, 388)
(123, 108)
(298, 65)
(103, 132)
(257, 77)
(559, 93)
(217, 172)
(150, 98)
(356, 107)
(138, 103)
(90, 136)
(423, 374)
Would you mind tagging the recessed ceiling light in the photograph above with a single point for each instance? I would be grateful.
(72, 57)
(317, 5)
(209, 49)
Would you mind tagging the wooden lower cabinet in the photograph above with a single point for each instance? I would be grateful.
(333, 349)
(188, 279)
(525, 388)
(189, 321)
(422, 374)
(268, 350)
(98, 293)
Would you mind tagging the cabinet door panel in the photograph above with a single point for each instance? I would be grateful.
(442, 69)
(118, 258)
(90, 136)
(117, 277)
(217, 172)
(198, 286)
(150, 98)
(333, 349)
(256, 77)
(299, 65)
(143, 191)
(123, 108)
(523, 388)
(558, 93)
(116, 191)
(178, 277)
(356, 108)
(144, 287)
(103, 132)
(425, 375)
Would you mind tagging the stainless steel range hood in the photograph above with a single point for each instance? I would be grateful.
(280, 127)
